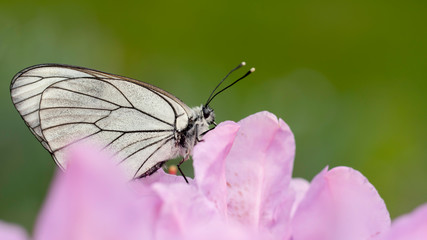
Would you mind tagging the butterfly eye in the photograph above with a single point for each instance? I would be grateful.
(206, 112)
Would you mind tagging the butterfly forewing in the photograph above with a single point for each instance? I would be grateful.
(64, 105)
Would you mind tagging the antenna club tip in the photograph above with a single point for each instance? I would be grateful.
(252, 70)
(243, 64)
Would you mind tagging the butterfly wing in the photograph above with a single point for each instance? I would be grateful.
(63, 105)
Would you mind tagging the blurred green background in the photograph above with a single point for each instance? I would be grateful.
(349, 77)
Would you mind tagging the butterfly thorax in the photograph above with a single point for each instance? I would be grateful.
(198, 124)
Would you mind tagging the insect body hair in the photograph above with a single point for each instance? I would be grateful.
(198, 123)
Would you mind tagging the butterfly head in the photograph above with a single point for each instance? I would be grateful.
(208, 114)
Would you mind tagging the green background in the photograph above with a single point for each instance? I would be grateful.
(349, 77)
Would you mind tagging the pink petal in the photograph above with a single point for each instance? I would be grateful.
(209, 163)
(412, 226)
(186, 214)
(300, 187)
(340, 204)
(257, 171)
(92, 201)
(10, 231)
(183, 209)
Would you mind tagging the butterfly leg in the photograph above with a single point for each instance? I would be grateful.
(178, 166)
(197, 140)
(203, 133)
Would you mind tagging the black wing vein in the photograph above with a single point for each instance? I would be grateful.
(115, 139)
(135, 142)
(146, 146)
(76, 141)
(84, 94)
(162, 145)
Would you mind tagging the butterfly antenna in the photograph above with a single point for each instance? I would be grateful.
(234, 69)
(247, 74)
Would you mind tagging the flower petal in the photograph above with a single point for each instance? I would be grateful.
(10, 231)
(209, 163)
(300, 186)
(257, 172)
(183, 210)
(186, 214)
(412, 226)
(340, 204)
(91, 200)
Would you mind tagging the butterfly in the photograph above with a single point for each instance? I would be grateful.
(142, 125)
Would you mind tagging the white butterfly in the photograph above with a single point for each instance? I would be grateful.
(143, 125)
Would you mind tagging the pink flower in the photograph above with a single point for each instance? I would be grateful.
(12, 232)
(242, 189)
(410, 227)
